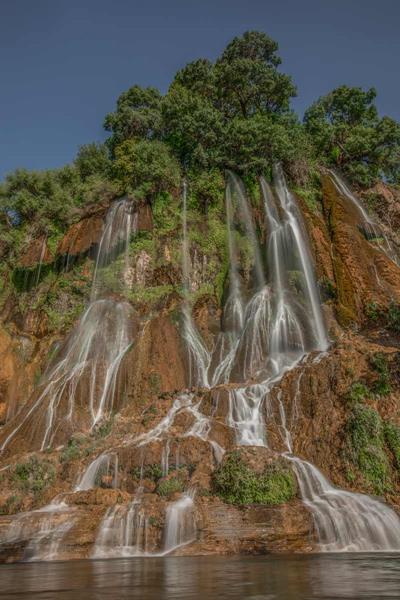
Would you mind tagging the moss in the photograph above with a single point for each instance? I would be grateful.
(34, 475)
(366, 439)
(312, 197)
(152, 471)
(393, 317)
(12, 505)
(327, 289)
(237, 484)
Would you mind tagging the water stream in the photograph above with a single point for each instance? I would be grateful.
(80, 384)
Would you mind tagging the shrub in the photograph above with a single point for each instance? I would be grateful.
(392, 437)
(236, 483)
(381, 386)
(167, 487)
(358, 392)
(34, 475)
(71, 452)
(366, 437)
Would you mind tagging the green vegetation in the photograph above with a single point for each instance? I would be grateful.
(348, 133)
(382, 386)
(71, 452)
(34, 475)
(366, 440)
(358, 392)
(236, 483)
(392, 437)
(233, 113)
(167, 487)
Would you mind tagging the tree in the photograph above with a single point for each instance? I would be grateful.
(138, 115)
(247, 77)
(347, 132)
(145, 167)
(205, 103)
(92, 159)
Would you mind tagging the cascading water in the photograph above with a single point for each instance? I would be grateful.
(180, 525)
(105, 465)
(198, 355)
(80, 385)
(346, 521)
(123, 531)
(280, 326)
(295, 247)
(373, 232)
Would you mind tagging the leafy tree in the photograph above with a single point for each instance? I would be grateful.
(45, 197)
(138, 114)
(92, 159)
(210, 103)
(347, 132)
(193, 128)
(145, 167)
(247, 77)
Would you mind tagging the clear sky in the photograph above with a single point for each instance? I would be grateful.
(64, 63)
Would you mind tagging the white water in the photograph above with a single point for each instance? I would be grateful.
(279, 328)
(84, 374)
(346, 521)
(104, 465)
(123, 531)
(373, 231)
(180, 524)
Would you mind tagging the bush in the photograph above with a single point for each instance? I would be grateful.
(34, 475)
(381, 386)
(392, 437)
(167, 487)
(236, 483)
(358, 392)
(366, 437)
(71, 452)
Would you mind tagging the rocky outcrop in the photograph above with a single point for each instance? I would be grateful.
(363, 273)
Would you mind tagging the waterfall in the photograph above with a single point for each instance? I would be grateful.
(180, 525)
(346, 521)
(281, 324)
(372, 230)
(105, 465)
(236, 192)
(123, 531)
(42, 531)
(199, 357)
(85, 371)
(296, 243)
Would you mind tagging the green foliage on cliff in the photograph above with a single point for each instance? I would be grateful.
(233, 113)
(374, 448)
(34, 475)
(347, 131)
(392, 437)
(236, 483)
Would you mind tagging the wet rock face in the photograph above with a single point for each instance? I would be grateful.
(362, 273)
(166, 440)
(35, 254)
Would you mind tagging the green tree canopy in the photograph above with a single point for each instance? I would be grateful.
(348, 133)
(208, 103)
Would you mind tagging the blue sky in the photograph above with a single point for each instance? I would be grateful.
(63, 64)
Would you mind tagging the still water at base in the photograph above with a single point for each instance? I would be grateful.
(333, 577)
